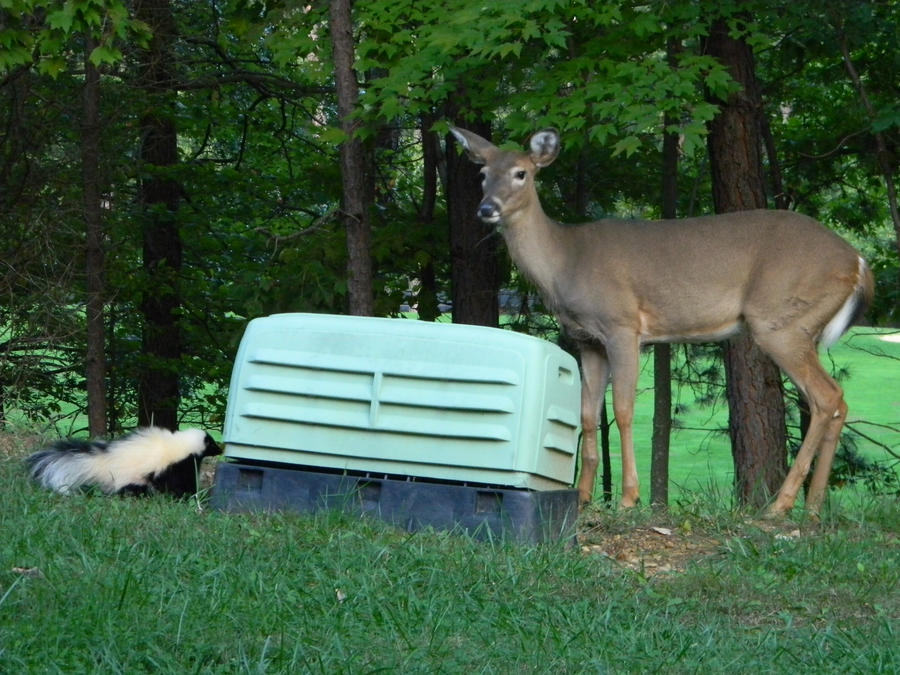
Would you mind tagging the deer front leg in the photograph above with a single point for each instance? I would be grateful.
(594, 377)
(624, 354)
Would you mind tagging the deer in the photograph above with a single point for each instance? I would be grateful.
(618, 284)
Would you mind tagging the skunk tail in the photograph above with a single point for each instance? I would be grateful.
(147, 459)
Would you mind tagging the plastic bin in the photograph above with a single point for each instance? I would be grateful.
(453, 403)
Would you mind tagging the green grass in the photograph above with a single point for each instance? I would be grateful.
(700, 456)
(105, 585)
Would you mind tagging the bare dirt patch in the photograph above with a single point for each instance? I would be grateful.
(648, 550)
(650, 544)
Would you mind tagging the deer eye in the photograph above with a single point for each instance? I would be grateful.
(520, 174)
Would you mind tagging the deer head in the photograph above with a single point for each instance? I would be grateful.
(508, 177)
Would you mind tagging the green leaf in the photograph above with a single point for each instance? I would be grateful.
(332, 136)
(14, 56)
(105, 54)
(52, 66)
(62, 18)
(92, 16)
(693, 135)
(886, 119)
(720, 83)
(600, 132)
(629, 145)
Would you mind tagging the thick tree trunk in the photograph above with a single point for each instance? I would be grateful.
(356, 170)
(95, 352)
(158, 385)
(755, 396)
(473, 246)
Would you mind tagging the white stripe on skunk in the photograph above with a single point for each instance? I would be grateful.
(147, 459)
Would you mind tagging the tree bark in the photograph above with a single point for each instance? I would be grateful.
(160, 194)
(473, 246)
(95, 352)
(426, 298)
(580, 207)
(753, 381)
(781, 198)
(356, 169)
(605, 458)
(662, 353)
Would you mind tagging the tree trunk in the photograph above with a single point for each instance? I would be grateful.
(605, 458)
(580, 207)
(95, 352)
(473, 245)
(662, 425)
(753, 382)
(426, 298)
(356, 170)
(158, 390)
(662, 353)
(781, 198)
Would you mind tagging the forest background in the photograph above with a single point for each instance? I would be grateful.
(170, 170)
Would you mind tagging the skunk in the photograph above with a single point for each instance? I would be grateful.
(149, 459)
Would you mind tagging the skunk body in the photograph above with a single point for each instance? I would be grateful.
(149, 459)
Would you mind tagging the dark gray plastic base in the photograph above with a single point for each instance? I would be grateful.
(521, 515)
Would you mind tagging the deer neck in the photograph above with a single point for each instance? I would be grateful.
(535, 243)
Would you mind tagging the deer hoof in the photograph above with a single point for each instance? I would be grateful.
(773, 514)
(777, 511)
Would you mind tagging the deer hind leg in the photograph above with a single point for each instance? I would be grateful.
(818, 486)
(827, 413)
(594, 378)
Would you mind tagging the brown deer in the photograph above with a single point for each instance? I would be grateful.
(618, 284)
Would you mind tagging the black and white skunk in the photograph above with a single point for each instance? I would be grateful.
(147, 460)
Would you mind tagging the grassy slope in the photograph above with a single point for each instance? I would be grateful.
(91, 584)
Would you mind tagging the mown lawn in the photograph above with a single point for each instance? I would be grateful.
(90, 584)
(105, 585)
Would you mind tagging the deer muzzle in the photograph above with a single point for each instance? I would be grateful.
(489, 212)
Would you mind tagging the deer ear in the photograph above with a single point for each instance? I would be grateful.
(478, 149)
(544, 147)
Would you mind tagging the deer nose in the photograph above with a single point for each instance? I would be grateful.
(488, 211)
